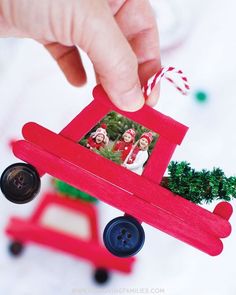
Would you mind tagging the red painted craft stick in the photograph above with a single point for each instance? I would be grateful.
(159, 160)
(224, 209)
(120, 198)
(108, 171)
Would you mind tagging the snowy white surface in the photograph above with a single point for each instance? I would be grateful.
(33, 89)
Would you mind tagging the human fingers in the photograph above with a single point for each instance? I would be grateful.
(90, 25)
(114, 61)
(69, 60)
(137, 22)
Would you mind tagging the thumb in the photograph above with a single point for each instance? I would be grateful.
(114, 61)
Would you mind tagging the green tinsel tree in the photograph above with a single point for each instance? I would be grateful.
(199, 186)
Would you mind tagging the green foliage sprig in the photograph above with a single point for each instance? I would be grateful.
(106, 152)
(199, 186)
(71, 192)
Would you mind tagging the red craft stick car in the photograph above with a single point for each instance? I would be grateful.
(141, 197)
(76, 233)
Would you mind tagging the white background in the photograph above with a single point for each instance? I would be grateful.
(33, 89)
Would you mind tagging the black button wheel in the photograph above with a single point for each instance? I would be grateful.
(16, 248)
(20, 183)
(101, 275)
(124, 236)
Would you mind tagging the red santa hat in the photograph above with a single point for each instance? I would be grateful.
(148, 136)
(131, 132)
(100, 131)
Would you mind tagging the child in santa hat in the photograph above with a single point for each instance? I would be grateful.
(98, 138)
(125, 144)
(139, 155)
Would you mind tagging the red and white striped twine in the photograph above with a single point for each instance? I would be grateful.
(177, 79)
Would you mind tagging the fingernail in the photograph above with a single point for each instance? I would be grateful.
(154, 96)
(130, 101)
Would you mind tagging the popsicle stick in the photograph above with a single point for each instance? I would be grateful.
(119, 198)
(127, 180)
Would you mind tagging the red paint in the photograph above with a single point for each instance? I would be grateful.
(140, 196)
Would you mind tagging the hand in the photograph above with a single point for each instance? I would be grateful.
(119, 36)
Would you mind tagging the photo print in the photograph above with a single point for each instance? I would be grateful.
(122, 141)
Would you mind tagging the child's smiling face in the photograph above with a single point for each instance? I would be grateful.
(143, 143)
(127, 137)
(99, 138)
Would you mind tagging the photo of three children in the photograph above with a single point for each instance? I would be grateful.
(134, 145)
